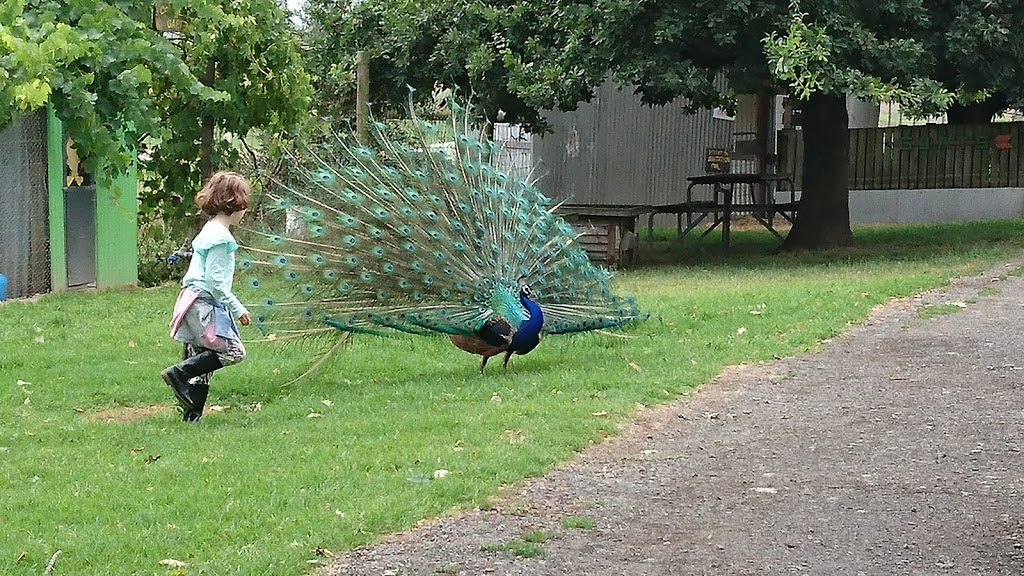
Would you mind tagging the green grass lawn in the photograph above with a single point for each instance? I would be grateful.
(95, 463)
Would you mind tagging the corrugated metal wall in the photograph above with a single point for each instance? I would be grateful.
(24, 233)
(615, 151)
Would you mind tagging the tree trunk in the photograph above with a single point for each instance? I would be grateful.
(977, 112)
(823, 219)
(206, 130)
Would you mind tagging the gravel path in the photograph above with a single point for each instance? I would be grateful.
(896, 450)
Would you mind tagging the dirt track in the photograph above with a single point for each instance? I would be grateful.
(894, 451)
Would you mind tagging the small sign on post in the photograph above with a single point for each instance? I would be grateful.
(163, 21)
(717, 161)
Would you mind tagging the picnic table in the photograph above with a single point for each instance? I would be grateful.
(753, 194)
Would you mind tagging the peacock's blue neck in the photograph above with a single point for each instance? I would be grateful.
(527, 335)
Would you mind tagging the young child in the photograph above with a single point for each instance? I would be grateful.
(206, 309)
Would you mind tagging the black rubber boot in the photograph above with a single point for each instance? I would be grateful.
(177, 376)
(198, 392)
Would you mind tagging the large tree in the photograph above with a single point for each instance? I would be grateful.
(120, 86)
(534, 54)
(975, 47)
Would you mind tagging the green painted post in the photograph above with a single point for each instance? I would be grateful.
(55, 186)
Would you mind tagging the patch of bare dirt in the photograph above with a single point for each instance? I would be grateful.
(123, 414)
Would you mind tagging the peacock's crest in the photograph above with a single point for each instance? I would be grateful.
(413, 235)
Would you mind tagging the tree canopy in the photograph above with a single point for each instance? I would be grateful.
(532, 55)
(119, 85)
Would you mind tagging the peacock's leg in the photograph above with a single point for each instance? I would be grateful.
(483, 362)
(508, 354)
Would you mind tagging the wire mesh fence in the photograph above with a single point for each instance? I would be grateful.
(24, 226)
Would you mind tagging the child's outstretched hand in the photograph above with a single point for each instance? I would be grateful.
(244, 319)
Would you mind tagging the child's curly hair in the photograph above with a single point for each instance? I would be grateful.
(225, 192)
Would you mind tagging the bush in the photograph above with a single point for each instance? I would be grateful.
(156, 243)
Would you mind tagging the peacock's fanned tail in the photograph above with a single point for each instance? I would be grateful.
(408, 235)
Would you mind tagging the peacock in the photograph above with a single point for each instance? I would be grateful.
(406, 234)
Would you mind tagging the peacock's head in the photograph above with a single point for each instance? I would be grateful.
(524, 288)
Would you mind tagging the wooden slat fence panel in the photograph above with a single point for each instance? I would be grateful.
(929, 156)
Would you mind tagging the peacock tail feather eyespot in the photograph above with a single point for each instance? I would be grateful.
(403, 283)
(428, 280)
(344, 288)
(330, 275)
(436, 200)
(351, 260)
(357, 172)
(374, 232)
(383, 294)
(307, 289)
(459, 246)
(280, 260)
(403, 230)
(347, 220)
(416, 265)
(317, 231)
(440, 256)
(363, 153)
(387, 268)
(353, 196)
(406, 211)
(435, 235)
(254, 283)
(366, 276)
(409, 246)
(378, 251)
(275, 240)
(245, 264)
(307, 314)
(349, 241)
(291, 275)
(267, 302)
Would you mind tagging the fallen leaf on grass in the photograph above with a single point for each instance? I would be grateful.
(172, 563)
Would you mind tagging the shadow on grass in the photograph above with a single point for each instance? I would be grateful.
(754, 247)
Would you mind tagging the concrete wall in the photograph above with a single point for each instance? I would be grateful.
(937, 205)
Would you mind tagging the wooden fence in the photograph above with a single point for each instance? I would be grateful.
(929, 156)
